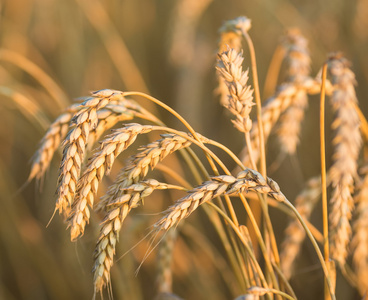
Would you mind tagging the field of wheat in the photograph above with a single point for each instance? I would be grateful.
(187, 149)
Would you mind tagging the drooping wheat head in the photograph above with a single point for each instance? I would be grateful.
(247, 180)
(50, 143)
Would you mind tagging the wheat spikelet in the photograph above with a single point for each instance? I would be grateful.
(111, 225)
(247, 180)
(298, 69)
(360, 239)
(240, 97)
(230, 37)
(85, 120)
(99, 164)
(139, 164)
(50, 142)
(347, 142)
(295, 233)
(107, 118)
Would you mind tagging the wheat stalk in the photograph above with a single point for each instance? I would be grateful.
(294, 233)
(247, 180)
(347, 143)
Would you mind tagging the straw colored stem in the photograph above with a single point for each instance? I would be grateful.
(323, 165)
(262, 148)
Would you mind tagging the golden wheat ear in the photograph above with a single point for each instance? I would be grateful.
(164, 261)
(247, 180)
(347, 143)
(230, 38)
(51, 142)
(240, 99)
(297, 70)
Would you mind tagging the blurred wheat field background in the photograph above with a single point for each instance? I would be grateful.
(53, 52)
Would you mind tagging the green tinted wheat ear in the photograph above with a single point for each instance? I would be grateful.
(247, 180)
(99, 164)
(298, 69)
(360, 238)
(111, 225)
(347, 143)
(295, 233)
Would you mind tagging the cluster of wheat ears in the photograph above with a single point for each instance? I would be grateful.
(259, 275)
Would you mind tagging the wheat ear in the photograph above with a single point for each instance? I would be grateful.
(239, 101)
(347, 143)
(298, 69)
(295, 233)
(99, 164)
(164, 260)
(247, 180)
(84, 120)
(111, 225)
(360, 239)
(230, 37)
(50, 143)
